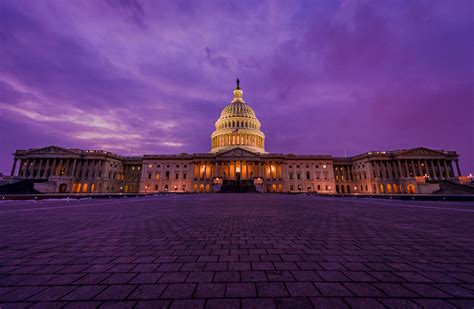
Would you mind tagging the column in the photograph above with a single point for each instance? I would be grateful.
(46, 167)
(215, 172)
(38, 175)
(390, 169)
(27, 168)
(407, 171)
(433, 169)
(13, 167)
(205, 171)
(32, 174)
(419, 167)
(426, 167)
(440, 173)
(451, 168)
(446, 168)
(68, 167)
(458, 170)
(235, 170)
(400, 174)
(53, 168)
(412, 162)
(73, 171)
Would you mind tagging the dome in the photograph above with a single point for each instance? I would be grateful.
(238, 126)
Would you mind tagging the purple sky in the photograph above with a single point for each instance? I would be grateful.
(324, 77)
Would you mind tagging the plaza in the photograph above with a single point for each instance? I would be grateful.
(237, 251)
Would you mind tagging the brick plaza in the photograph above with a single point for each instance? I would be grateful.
(237, 251)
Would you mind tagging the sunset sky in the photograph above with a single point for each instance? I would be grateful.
(151, 77)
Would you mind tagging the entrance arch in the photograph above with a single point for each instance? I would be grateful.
(411, 189)
(63, 188)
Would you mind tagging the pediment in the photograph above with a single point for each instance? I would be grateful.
(420, 151)
(237, 152)
(51, 150)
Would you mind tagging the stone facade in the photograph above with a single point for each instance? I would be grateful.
(237, 152)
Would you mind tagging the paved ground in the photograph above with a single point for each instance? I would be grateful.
(242, 251)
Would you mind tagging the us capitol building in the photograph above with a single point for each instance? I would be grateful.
(237, 158)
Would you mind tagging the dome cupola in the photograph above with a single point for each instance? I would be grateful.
(238, 126)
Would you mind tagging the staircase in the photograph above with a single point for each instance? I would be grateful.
(447, 187)
(25, 186)
(238, 186)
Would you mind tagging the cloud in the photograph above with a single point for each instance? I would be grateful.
(324, 77)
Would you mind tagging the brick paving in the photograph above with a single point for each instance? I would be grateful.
(237, 251)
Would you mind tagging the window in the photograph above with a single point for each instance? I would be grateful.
(299, 187)
(157, 166)
(298, 176)
(185, 166)
(291, 175)
(167, 176)
(290, 166)
(149, 176)
(177, 165)
(297, 166)
(317, 166)
(308, 175)
(184, 176)
(177, 176)
(291, 188)
(156, 187)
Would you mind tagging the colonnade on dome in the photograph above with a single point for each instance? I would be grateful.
(238, 139)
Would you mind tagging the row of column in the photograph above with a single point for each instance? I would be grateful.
(229, 170)
(43, 168)
(237, 139)
(415, 167)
